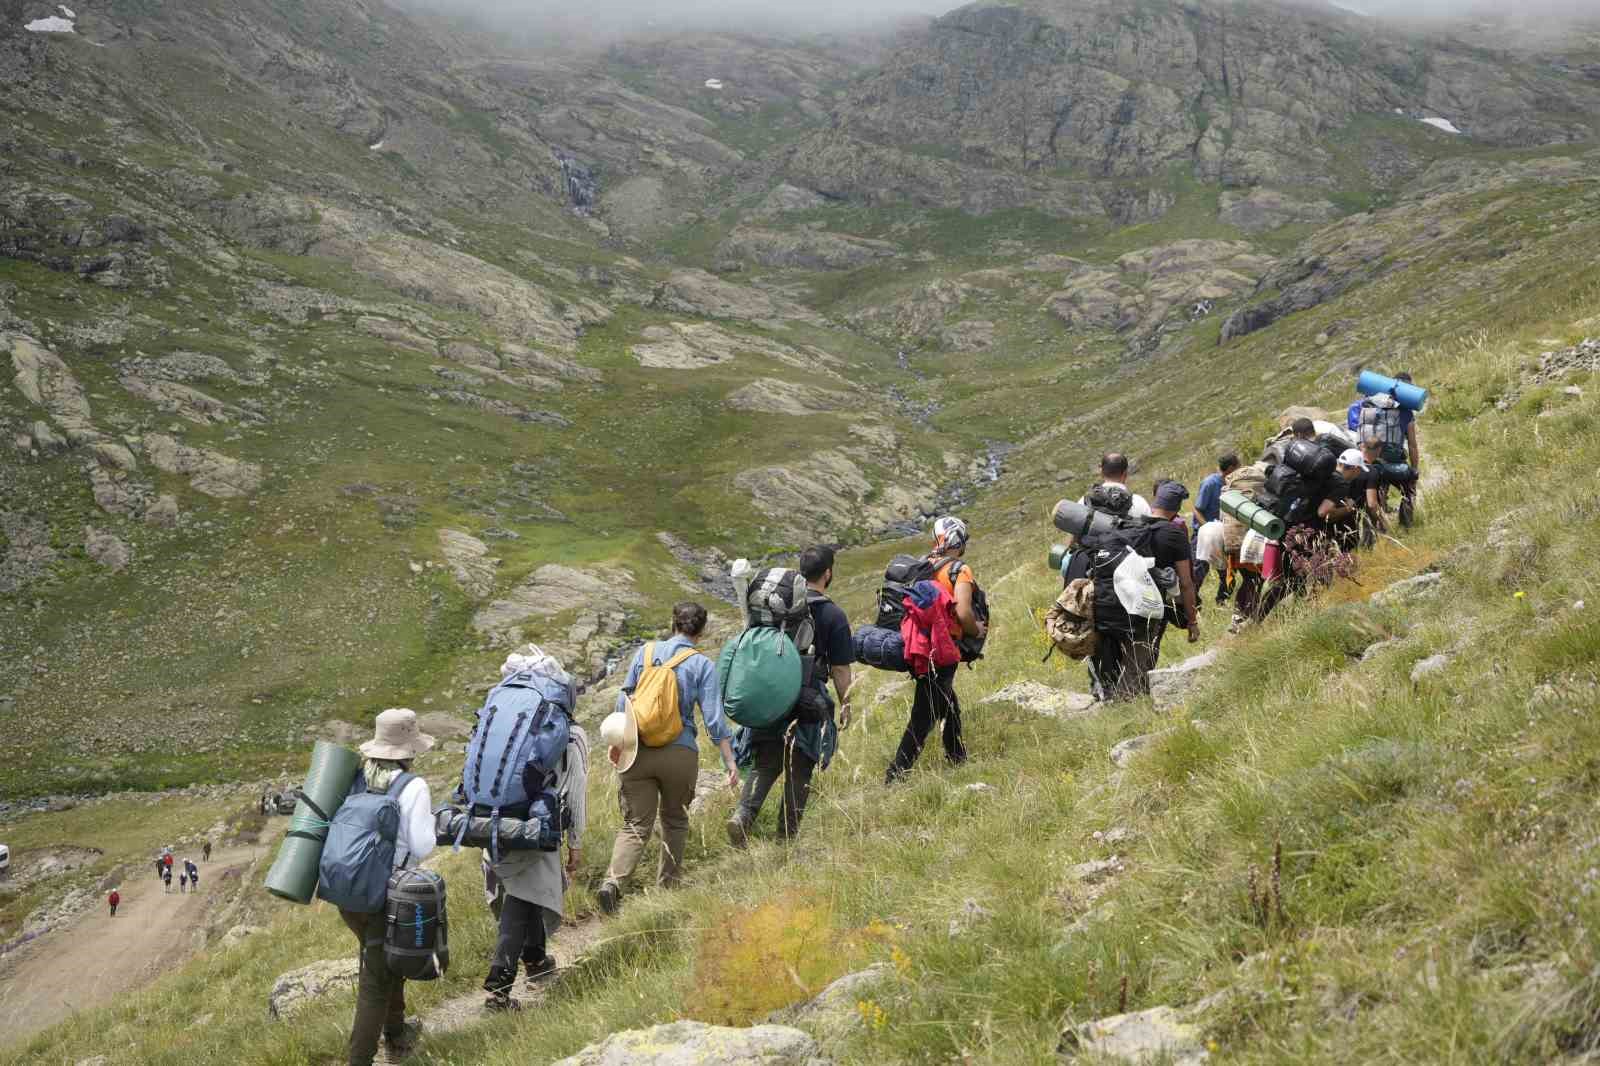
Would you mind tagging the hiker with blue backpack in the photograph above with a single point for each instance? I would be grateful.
(665, 683)
(384, 825)
(1387, 414)
(527, 765)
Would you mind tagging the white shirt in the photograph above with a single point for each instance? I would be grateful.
(415, 838)
(1140, 508)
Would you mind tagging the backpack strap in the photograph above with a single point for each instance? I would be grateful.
(679, 659)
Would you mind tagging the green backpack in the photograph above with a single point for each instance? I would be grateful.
(760, 674)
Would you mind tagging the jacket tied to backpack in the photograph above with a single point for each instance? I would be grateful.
(925, 629)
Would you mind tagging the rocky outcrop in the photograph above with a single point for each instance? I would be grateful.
(696, 345)
(580, 615)
(106, 549)
(804, 249)
(1160, 1034)
(695, 292)
(1260, 210)
(771, 396)
(829, 494)
(294, 991)
(209, 472)
(469, 562)
(1171, 685)
(696, 1044)
(181, 400)
(1042, 699)
(27, 556)
(1150, 288)
(46, 381)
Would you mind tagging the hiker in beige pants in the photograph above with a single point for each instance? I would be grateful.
(659, 782)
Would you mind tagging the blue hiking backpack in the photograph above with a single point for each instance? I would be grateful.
(359, 854)
(516, 748)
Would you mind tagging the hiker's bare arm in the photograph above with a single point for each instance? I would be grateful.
(1186, 593)
(729, 763)
(964, 612)
(1411, 446)
(841, 685)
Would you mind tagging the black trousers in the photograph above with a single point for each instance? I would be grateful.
(521, 939)
(775, 757)
(1121, 665)
(380, 995)
(934, 701)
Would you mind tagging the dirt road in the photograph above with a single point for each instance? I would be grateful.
(98, 957)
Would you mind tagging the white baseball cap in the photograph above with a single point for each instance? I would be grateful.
(1353, 457)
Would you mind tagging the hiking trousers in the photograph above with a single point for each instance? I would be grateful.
(1120, 667)
(380, 995)
(778, 756)
(660, 782)
(934, 701)
(522, 938)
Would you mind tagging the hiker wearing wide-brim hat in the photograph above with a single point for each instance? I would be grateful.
(620, 734)
(380, 994)
(397, 737)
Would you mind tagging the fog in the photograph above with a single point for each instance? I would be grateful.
(1444, 10)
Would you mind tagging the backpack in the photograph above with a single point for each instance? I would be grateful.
(1353, 417)
(762, 670)
(899, 576)
(1107, 552)
(1312, 461)
(359, 854)
(972, 647)
(1250, 481)
(416, 936)
(1286, 494)
(1070, 621)
(521, 736)
(1382, 417)
(654, 700)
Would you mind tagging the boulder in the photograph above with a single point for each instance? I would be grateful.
(834, 1008)
(239, 933)
(1096, 871)
(109, 551)
(47, 440)
(114, 455)
(163, 514)
(209, 472)
(469, 562)
(1160, 1034)
(1412, 588)
(1433, 664)
(697, 1044)
(1171, 685)
(771, 396)
(1122, 754)
(294, 991)
(46, 381)
(1042, 699)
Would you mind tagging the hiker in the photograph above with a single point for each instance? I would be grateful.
(935, 695)
(1382, 415)
(380, 995)
(193, 872)
(1130, 643)
(660, 781)
(1114, 471)
(1208, 508)
(113, 899)
(166, 880)
(183, 883)
(205, 852)
(1339, 511)
(790, 747)
(529, 885)
(161, 867)
(1373, 490)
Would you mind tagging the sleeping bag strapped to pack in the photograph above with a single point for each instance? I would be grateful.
(416, 936)
(1310, 460)
(762, 669)
(359, 854)
(519, 741)
(879, 648)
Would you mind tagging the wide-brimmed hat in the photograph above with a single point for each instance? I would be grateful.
(397, 736)
(620, 731)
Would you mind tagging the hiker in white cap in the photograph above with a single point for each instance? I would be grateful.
(1339, 512)
(380, 995)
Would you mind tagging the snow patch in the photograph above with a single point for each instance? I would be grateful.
(1442, 124)
(376, 147)
(66, 11)
(50, 25)
(714, 83)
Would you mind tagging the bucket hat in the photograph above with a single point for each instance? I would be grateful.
(397, 736)
(620, 731)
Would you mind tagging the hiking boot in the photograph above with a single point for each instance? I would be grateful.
(538, 973)
(402, 1040)
(1406, 514)
(501, 1003)
(738, 832)
(610, 897)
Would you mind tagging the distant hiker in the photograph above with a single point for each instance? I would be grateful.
(205, 852)
(161, 867)
(1395, 425)
(166, 879)
(934, 699)
(1131, 606)
(530, 884)
(380, 995)
(113, 899)
(661, 780)
(1114, 471)
(183, 883)
(193, 873)
(1208, 502)
(790, 747)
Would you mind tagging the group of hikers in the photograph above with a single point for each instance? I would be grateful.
(765, 703)
(188, 875)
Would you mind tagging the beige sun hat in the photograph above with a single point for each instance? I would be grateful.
(397, 736)
(620, 731)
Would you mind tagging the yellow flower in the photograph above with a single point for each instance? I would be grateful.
(1520, 594)
(902, 961)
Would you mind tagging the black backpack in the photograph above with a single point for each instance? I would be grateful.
(1309, 459)
(416, 937)
(1287, 494)
(1105, 554)
(902, 573)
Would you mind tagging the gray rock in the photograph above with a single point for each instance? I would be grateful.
(1163, 1034)
(47, 440)
(836, 1004)
(1379, 648)
(209, 472)
(163, 514)
(1171, 685)
(1042, 699)
(1095, 871)
(696, 1044)
(1433, 664)
(114, 455)
(239, 933)
(1412, 588)
(469, 562)
(970, 913)
(1124, 751)
(297, 989)
(106, 549)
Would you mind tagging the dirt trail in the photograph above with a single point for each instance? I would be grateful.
(90, 962)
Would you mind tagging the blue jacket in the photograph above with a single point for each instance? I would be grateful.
(697, 685)
(1208, 504)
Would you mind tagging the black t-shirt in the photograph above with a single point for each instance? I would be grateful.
(1169, 544)
(833, 647)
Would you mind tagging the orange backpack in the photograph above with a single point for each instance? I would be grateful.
(654, 700)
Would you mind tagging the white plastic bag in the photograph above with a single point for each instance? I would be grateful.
(1209, 544)
(1254, 549)
(1136, 589)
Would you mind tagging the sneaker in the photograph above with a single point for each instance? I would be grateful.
(738, 832)
(539, 972)
(610, 897)
(501, 1003)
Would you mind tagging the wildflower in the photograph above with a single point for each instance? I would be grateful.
(902, 961)
(1519, 594)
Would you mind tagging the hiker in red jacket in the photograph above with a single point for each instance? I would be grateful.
(114, 899)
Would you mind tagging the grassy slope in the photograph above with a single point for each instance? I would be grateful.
(1435, 837)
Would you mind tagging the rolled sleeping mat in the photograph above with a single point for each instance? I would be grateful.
(1058, 557)
(452, 826)
(1411, 397)
(1079, 519)
(294, 873)
(880, 648)
(1253, 515)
